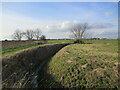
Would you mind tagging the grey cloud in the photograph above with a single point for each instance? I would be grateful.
(107, 13)
(110, 34)
(101, 26)
(67, 26)
(60, 27)
(96, 29)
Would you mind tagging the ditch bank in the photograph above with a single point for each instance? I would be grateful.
(20, 70)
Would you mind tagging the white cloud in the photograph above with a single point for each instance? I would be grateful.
(107, 13)
(52, 29)
(11, 22)
(59, 26)
(105, 32)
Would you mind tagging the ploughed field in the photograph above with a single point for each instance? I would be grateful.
(84, 66)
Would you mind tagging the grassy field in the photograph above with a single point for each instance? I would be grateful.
(60, 41)
(102, 41)
(84, 65)
(79, 65)
(12, 49)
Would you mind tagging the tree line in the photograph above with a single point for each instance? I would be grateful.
(78, 32)
(29, 34)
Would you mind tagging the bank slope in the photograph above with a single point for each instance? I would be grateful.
(83, 66)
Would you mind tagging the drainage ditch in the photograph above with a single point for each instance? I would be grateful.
(21, 70)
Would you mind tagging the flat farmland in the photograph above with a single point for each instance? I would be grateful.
(90, 65)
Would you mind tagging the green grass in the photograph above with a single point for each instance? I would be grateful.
(85, 65)
(86, 41)
(13, 50)
(10, 50)
(101, 41)
(60, 41)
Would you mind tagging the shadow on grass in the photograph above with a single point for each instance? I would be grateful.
(23, 68)
(46, 80)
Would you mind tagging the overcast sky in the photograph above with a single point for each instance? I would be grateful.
(55, 18)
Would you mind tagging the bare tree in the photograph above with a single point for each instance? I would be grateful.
(37, 33)
(43, 37)
(17, 35)
(87, 35)
(29, 34)
(79, 30)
